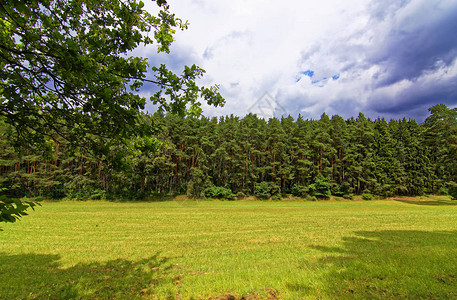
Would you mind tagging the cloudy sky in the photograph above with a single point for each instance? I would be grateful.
(390, 58)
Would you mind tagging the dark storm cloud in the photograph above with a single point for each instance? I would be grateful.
(417, 97)
(400, 63)
(406, 53)
(419, 50)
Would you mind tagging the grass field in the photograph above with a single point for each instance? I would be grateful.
(219, 249)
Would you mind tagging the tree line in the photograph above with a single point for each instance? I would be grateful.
(228, 156)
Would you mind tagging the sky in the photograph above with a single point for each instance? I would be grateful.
(389, 58)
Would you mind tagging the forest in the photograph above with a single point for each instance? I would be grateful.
(232, 156)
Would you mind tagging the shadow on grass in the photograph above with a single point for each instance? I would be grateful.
(390, 264)
(429, 202)
(38, 276)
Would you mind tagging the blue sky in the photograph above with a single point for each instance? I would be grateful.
(390, 58)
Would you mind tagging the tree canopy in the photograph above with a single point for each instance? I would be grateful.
(66, 70)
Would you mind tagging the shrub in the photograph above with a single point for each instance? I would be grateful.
(367, 196)
(263, 190)
(444, 191)
(97, 194)
(348, 196)
(275, 189)
(240, 195)
(93, 194)
(453, 192)
(126, 194)
(339, 190)
(276, 197)
(450, 188)
(219, 192)
(320, 188)
(56, 192)
(299, 190)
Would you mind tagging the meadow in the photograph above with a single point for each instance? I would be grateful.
(396, 248)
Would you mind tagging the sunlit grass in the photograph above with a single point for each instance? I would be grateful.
(288, 249)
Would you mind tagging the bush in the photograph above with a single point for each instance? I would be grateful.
(299, 190)
(275, 189)
(339, 190)
(126, 194)
(89, 193)
(263, 190)
(367, 196)
(240, 195)
(56, 192)
(219, 192)
(453, 193)
(444, 191)
(277, 197)
(348, 196)
(320, 188)
(450, 188)
(97, 194)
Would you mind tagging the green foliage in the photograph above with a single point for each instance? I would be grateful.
(240, 195)
(66, 71)
(219, 193)
(263, 190)
(367, 196)
(348, 196)
(93, 194)
(67, 76)
(276, 197)
(444, 190)
(452, 190)
(275, 189)
(12, 209)
(196, 185)
(453, 193)
(320, 188)
(299, 190)
(340, 190)
(441, 138)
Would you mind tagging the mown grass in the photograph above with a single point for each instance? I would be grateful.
(211, 249)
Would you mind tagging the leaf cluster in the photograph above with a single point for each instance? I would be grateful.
(12, 209)
(66, 71)
(218, 192)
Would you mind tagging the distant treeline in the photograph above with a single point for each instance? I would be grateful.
(251, 156)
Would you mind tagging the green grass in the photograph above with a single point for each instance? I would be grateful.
(289, 249)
